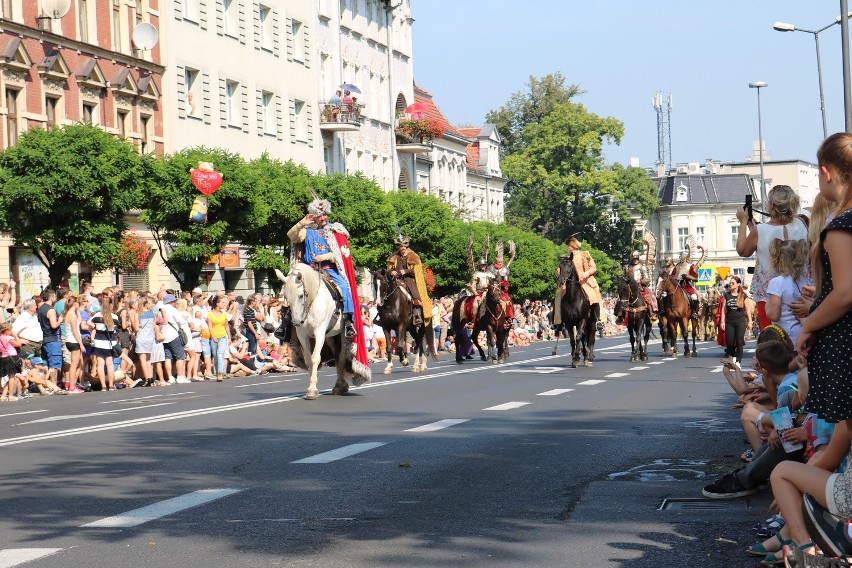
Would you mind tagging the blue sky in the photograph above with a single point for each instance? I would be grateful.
(473, 54)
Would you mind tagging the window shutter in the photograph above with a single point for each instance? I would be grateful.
(205, 83)
(178, 9)
(279, 118)
(289, 33)
(307, 46)
(220, 17)
(310, 124)
(202, 14)
(258, 99)
(276, 44)
(244, 99)
(292, 121)
(223, 103)
(242, 22)
(256, 19)
(180, 71)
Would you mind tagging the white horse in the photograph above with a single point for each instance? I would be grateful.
(317, 322)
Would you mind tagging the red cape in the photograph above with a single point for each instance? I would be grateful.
(343, 243)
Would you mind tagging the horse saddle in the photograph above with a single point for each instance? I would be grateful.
(333, 288)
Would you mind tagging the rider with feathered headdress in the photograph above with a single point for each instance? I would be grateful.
(405, 265)
(687, 272)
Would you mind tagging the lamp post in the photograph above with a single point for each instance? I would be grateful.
(759, 85)
(785, 27)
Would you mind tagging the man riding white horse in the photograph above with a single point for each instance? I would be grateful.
(639, 273)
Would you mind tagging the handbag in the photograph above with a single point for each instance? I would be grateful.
(115, 349)
(181, 335)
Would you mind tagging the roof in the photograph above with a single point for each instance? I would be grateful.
(421, 95)
(705, 189)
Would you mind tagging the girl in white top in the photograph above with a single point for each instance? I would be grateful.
(74, 340)
(788, 260)
(783, 208)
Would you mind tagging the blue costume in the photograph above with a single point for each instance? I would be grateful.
(316, 245)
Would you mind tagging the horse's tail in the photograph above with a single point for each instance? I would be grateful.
(430, 342)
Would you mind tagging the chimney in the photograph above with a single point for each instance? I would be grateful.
(661, 169)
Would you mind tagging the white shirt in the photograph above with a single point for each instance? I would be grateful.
(169, 331)
(788, 290)
(26, 327)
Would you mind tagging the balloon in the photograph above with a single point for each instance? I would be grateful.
(207, 182)
(198, 213)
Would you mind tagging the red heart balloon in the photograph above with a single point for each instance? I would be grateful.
(206, 182)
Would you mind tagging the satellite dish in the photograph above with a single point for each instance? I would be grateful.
(55, 9)
(145, 36)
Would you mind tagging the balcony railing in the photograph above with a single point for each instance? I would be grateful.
(341, 116)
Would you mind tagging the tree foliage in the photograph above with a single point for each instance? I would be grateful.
(64, 194)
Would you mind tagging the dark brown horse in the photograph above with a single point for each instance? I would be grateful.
(708, 308)
(637, 317)
(491, 320)
(576, 313)
(395, 314)
(677, 311)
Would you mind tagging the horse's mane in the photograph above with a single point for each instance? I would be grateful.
(310, 280)
(571, 273)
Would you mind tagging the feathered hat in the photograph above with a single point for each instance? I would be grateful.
(400, 239)
(319, 206)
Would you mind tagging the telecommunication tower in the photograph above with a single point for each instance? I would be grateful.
(663, 105)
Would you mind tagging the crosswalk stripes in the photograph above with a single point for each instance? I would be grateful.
(10, 557)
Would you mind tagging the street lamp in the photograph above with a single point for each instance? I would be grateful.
(759, 85)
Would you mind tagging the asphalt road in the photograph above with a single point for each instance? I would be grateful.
(531, 463)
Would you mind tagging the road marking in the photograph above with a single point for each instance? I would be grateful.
(554, 392)
(439, 425)
(591, 382)
(341, 453)
(507, 406)
(19, 413)
(538, 370)
(637, 368)
(656, 363)
(614, 376)
(143, 515)
(126, 400)
(14, 556)
(102, 413)
(716, 369)
(267, 383)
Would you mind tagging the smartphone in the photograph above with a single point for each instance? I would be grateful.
(748, 208)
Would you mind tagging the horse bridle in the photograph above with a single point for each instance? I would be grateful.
(630, 303)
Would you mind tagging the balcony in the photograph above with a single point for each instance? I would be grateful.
(341, 117)
(415, 136)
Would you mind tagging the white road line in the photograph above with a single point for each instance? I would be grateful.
(655, 363)
(131, 399)
(15, 556)
(640, 368)
(142, 515)
(19, 413)
(341, 453)
(507, 406)
(615, 375)
(267, 383)
(439, 425)
(716, 369)
(102, 413)
(591, 382)
(554, 392)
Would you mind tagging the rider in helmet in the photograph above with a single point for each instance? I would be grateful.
(480, 282)
(500, 272)
(405, 264)
(687, 273)
(639, 273)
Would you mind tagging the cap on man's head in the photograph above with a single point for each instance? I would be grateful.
(169, 298)
(37, 361)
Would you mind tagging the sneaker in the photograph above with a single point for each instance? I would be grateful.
(182, 380)
(727, 487)
(797, 558)
(830, 533)
(171, 380)
(135, 383)
(75, 390)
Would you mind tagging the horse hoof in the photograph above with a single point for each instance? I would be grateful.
(312, 395)
(459, 361)
(573, 364)
(404, 362)
(589, 364)
(340, 390)
(484, 358)
(386, 372)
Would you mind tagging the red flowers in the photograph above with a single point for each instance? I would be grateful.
(134, 253)
(422, 130)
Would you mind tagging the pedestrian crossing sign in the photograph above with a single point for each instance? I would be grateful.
(706, 275)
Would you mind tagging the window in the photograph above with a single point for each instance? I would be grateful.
(735, 232)
(297, 31)
(116, 25)
(138, 11)
(739, 272)
(190, 10)
(301, 121)
(229, 9)
(12, 116)
(121, 123)
(682, 193)
(268, 111)
(50, 104)
(326, 157)
(232, 103)
(7, 9)
(83, 19)
(89, 113)
(193, 94)
(265, 17)
(144, 124)
(682, 235)
(699, 235)
(667, 239)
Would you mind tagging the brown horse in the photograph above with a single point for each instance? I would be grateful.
(707, 309)
(491, 322)
(677, 312)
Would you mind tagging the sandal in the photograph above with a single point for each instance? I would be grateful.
(759, 549)
(773, 560)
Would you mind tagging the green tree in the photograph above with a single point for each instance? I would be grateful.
(529, 107)
(234, 210)
(64, 194)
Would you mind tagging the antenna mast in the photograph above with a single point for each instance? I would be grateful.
(663, 105)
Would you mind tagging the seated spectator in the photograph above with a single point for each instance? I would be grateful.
(773, 357)
(240, 364)
(35, 373)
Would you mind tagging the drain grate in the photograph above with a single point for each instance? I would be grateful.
(699, 504)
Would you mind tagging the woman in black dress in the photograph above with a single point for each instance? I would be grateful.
(736, 319)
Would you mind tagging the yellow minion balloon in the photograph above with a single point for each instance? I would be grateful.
(198, 213)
